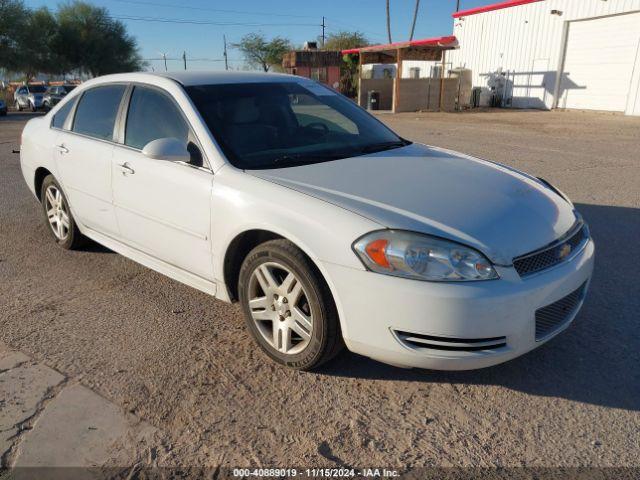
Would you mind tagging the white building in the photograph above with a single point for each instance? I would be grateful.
(582, 54)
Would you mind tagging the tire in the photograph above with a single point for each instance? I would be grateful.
(68, 237)
(18, 106)
(314, 336)
(33, 107)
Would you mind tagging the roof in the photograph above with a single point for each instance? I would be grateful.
(189, 78)
(444, 43)
(493, 6)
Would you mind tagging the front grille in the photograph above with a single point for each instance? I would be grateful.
(552, 255)
(554, 316)
(419, 340)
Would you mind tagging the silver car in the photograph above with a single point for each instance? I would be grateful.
(29, 96)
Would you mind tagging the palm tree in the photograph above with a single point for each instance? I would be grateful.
(415, 16)
(388, 22)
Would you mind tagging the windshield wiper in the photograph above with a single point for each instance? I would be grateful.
(293, 157)
(379, 147)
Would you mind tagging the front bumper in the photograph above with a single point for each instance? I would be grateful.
(374, 307)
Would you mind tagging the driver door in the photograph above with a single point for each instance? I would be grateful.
(163, 208)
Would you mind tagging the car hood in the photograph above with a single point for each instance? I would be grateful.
(501, 212)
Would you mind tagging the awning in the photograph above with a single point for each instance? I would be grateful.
(441, 43)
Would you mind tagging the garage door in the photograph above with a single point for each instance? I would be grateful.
(599, 63)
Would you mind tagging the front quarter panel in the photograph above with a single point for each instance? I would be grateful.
(323, 231)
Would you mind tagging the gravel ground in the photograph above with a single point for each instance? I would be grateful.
(184, 363)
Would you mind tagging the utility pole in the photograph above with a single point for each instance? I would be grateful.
(226, 61)
(164, 56)
(323, 37)
(184, 59)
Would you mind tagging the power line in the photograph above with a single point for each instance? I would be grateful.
(208, 22)
(189, 7)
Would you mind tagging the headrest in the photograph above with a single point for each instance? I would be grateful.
(243, 110)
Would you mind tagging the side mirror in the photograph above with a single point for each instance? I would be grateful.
(170, 149)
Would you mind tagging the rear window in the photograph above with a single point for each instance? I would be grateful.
(97, 111)
(61, 115)
(37, 88)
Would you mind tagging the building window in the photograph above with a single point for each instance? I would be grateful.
(414, 72)
(319, 74)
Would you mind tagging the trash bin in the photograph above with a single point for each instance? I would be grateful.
(373, 100)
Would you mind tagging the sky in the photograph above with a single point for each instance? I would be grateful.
(298, 20)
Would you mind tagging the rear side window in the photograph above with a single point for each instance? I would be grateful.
(61, 115)
(97, 111)
(153, 115)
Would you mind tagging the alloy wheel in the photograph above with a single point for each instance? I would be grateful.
(280, 308)
(57, 212)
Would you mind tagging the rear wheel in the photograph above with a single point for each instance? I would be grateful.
(288, 307)
(58, 215)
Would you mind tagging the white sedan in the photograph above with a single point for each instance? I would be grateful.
(328, 228)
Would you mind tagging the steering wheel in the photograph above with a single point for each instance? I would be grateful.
(315, 126)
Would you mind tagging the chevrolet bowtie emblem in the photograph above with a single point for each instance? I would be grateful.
(564, 252)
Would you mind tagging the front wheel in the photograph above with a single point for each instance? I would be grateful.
(288, 307)
(18, 106)
(58, 215)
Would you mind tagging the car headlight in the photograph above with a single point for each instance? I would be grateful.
(421, 257)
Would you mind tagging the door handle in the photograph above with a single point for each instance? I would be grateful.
(62, 149)
(125, 168)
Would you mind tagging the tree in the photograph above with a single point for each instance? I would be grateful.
(13, 21)
(344, 40)
(91, 41)
(388, 22)
(36, 54)
(415, 16)
(258, 52)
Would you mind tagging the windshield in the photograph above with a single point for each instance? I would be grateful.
(284, 124)
(37, 88)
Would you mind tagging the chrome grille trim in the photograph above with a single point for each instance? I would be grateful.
(422, 341)
(554, 316)
(550, 256)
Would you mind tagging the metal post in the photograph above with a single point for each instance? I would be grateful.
(226, 61)
(396, 83)
(323, 37)
(164, 56)
(184, 59)
(442, 81)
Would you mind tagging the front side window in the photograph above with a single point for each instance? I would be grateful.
(97, 111)
(283, 124)
(61, 115)
(152, 115)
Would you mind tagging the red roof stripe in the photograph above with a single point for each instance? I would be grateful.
(413, 43)
(495, 6)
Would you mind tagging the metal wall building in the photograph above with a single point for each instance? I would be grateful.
(582, 54)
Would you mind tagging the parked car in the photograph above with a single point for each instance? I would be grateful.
(328, 227)
(54, 94)
(3, 108)
(29, 96)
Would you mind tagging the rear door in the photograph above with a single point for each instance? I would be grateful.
(163, 208)
(83, 155)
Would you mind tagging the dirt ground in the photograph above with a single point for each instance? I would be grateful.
(184, 363)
